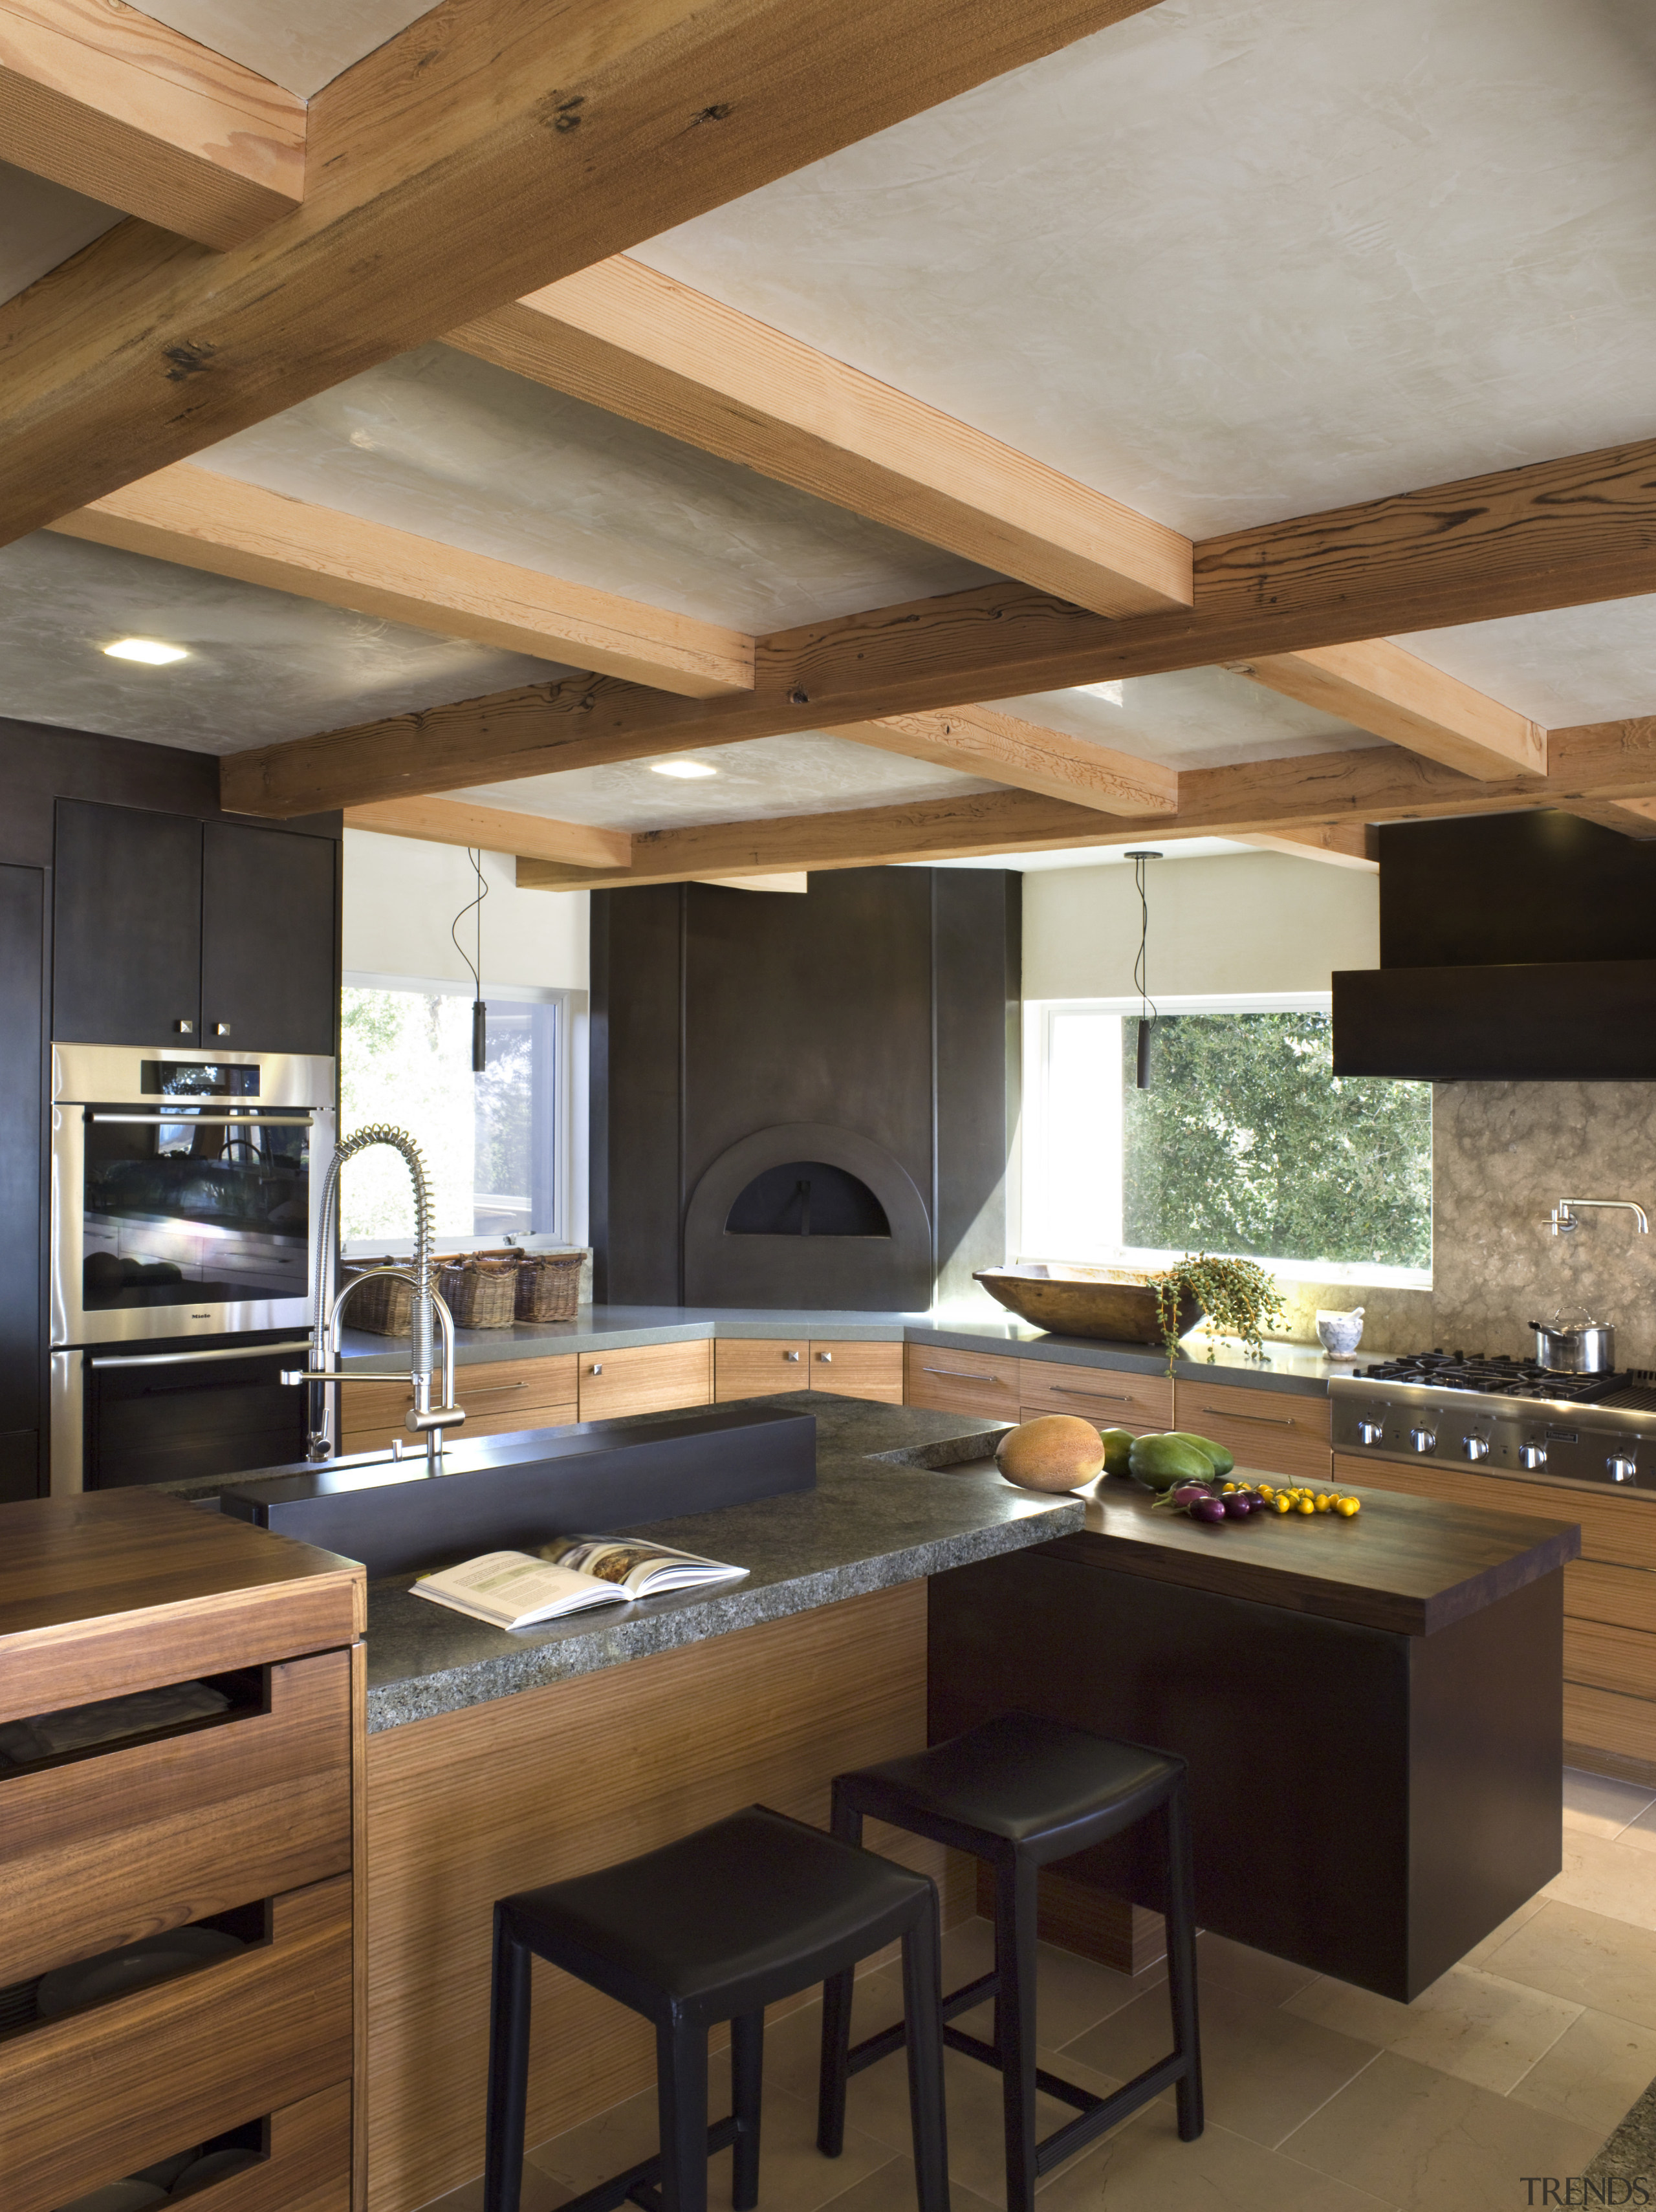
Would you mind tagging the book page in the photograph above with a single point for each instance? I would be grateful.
(514, 1590)
(638, 1566)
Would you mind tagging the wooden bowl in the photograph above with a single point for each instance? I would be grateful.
(1111, 1303)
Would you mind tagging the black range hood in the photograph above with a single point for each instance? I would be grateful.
(1513, 948)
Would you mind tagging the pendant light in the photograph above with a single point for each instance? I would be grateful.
(1141, 970)
(480, 1011)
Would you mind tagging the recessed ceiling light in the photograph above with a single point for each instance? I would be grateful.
(685, 769)
(148, 649)
(1111, 691)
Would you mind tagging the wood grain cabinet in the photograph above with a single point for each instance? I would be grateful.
(1610, 1601)
(755, 1368)
(243, 1820)
(645, 1378)
(499, 1395)
(962, 1381)
(1113, 1398)
(1274, 1431)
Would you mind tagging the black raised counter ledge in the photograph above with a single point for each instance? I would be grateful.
(1372, 1710)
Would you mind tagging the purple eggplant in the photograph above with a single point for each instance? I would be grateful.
(1187, 1492)
(1208, 1508)
(1238, 1506)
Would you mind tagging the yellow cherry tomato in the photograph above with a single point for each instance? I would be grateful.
(1305, 1505)
(1322, 1502)
(1348, 1506)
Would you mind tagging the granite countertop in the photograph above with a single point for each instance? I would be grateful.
(1299, 1368)
(901, 1493)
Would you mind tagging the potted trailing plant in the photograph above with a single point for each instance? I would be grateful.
(1237, 1296)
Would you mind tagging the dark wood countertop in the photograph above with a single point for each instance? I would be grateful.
(1407, 1564)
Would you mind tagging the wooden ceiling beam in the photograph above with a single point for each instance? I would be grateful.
(1343, 845)
(493, 830)
(1630, 817)
(1378, 687)
(229, 528)
(626, 338)
(1557, 534)
(1348, 791)
(491, 147)
(1027, 756)
(112, 104)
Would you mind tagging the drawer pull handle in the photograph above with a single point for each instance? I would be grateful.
(1271, 1420)
(494, 1389)
(965, 1375)
(1111, 1397)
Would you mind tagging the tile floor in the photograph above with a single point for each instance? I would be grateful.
(1320, 2097)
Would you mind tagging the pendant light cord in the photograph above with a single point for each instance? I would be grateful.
(1142, 965)
(480, 1011)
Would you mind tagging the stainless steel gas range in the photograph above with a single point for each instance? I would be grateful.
(1501, 1416)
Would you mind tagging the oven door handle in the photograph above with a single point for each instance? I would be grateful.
(192, 1120)
(188, 1358)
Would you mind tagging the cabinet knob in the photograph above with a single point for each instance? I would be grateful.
(790, 1355)
(185, 1029)
(597, 1367)
(826, 1358)
(221, 1029)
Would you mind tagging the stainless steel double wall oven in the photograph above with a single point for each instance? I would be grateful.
(185, 1189)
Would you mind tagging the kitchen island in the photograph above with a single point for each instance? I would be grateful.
(1368, 1707)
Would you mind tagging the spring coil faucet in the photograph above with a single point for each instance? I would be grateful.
(429, 1419)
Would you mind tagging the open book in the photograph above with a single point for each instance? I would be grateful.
(518, 1589)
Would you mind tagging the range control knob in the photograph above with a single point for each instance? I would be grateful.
(1623, 1467)
(1532, 1455)
(1423, 1440)
(1370, 1432)
(1475, 1447)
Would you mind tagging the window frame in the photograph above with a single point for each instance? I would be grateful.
(1034, 1242)
(570, 1062)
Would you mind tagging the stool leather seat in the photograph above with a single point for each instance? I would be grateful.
(1018, 1792)
(730, 1907)
(1032, 1782)
(714, 1927)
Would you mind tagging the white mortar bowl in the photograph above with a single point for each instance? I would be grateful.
(1339, 1333)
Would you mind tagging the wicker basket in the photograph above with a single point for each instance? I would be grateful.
(481, 1293)
(549, 1286)
(384, 1306)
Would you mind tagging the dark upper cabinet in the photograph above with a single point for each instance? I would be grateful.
(160, 919)
(126, 925)
(270, 981)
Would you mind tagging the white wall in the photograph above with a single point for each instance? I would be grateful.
(1250, 921)
(401, 895)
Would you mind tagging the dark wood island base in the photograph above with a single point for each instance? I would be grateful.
(1372, 1712)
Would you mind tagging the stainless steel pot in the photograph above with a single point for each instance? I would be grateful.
(1585, 1349)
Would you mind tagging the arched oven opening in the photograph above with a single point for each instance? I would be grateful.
(807, 1198)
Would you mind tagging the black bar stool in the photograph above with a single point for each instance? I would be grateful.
(1017, 1793)
(714, 1927)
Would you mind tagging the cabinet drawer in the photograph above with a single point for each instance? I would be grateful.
(1617, 1531)
(308, 2167)
(649, 1378)
(961, 1382)
(1610, 1658)
(1605, 1720)
(499, 1395)
(1108, 1396)
(115, 2088)
(757, 1368)
(1623, 1595)
(1277, 1431)
(129, 1841)
(858, 1370)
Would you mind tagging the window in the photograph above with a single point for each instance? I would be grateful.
(1246, 1142)
(496, 1145)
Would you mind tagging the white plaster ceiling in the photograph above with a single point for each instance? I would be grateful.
(300, 44)
(1236, 259)
(454, 448)
(264, 666)
(811, 774)
(41, 225)
(1192, 718)
(1570, 664)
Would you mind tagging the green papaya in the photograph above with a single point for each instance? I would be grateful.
(1117, 1445)
(1159, 1461)
(1223, 1461)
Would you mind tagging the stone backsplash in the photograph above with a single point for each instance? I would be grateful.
(1502, 1155)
